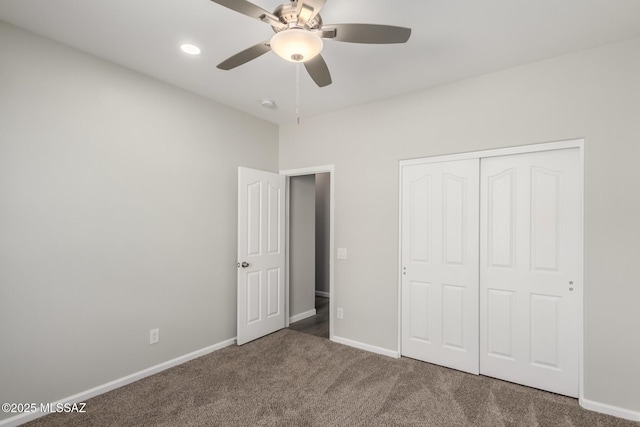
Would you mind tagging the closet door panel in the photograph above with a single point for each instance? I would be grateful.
(439, 221)
(529, 260)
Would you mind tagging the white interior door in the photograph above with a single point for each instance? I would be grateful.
(440, 263)
(261, 253)
(529, 265)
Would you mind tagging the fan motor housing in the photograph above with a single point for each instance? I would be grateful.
(288, 14)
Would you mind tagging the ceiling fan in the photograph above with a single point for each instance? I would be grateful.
(299, 32)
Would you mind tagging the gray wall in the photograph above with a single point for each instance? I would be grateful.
(302, 241)
(323, 189)
(593, 94)
(118, 200)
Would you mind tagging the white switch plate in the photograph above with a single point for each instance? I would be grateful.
(342, 253)
(154, 336)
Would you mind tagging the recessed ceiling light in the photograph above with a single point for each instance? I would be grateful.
(190, 49)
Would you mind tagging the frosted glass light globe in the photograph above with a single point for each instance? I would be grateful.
(296, 45)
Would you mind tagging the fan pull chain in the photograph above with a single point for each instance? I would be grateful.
(298, 93)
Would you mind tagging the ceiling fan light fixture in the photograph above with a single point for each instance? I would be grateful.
(296, 45)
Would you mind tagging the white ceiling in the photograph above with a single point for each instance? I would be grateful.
(451, 40)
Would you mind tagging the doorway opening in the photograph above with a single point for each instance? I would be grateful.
(309, 269)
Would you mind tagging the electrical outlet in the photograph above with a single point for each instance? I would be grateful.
(340, 313)
(154, 336)
(342, 253)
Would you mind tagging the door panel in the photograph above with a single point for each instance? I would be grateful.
(440, 263)
(274, 238)
(501, 219)
(453, 316)
(273, 297)
(419, 319)
(253, 287)
(453, 217)
(544, 219)
(545, 334)
(260, 245)
(500, 319)
(529, 260)
(420, 219)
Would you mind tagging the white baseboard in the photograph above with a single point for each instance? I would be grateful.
(627, 414)
(298, 317)
(87, 394)
(362, 346)
(322, 294)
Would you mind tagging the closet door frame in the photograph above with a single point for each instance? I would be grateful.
(522, 149)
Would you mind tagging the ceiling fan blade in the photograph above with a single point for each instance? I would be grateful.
(251, 10)
(318, 71)
(366, 33)
(308, 9)
(245, 56)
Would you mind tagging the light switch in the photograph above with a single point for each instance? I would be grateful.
(342, 253)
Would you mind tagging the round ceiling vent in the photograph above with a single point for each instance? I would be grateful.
(268, 103)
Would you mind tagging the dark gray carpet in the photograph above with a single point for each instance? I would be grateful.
(295, 379)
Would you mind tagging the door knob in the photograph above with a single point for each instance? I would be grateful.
(244, 264)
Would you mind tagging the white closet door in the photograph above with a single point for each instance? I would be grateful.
(440, 263)
(529, 260)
